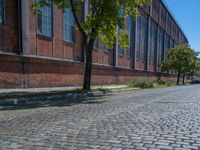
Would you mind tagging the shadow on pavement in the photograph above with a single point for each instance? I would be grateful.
(50, 101)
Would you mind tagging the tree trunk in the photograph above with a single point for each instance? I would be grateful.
(178, 78)
(183, 79)
(88, 66)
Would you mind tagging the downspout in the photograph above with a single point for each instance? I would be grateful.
(25, 35)
(25, 27)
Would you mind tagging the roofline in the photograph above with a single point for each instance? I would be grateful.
(173, 17)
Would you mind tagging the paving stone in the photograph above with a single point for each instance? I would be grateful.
(166, 118)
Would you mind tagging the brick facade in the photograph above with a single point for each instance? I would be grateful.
(9, 28)
(51, 61)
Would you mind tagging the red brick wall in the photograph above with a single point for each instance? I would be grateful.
(54, 47)
(16, 71)
(9, 35)
(101, 56)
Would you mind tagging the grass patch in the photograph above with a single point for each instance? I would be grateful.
(164, 83)
(142, 83)
(145, 83)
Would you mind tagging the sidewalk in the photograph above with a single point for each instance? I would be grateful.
(54, 90)
(34, 97)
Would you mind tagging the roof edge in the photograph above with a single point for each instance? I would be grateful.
(173, 17)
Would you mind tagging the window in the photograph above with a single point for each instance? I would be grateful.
(96, 44)
(130, 32)
(153, 42)
(1, 12)
(144, 38)
(121, 50)
(163, 16)
(171, 43)
(174, 31)
(138, 37)
(167, 45)
(169, 24)
(161, 47)
(44, 20)
(106, 49)
(121, 14)
(69, 29)
(156, 6)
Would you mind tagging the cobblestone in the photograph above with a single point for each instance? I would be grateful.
(167, 118)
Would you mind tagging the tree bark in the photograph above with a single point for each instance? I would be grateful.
(178, 78)
(183, 79)
(88, 66)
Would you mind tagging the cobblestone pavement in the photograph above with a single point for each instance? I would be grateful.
(167, 118)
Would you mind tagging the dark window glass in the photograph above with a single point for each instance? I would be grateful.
(167, 43)
(138, 37)
(106, 49)
(1, 11)
(96, 44)
(153, 43)
(121, 14)
(144, 38)
(161, 48)
(130, 32)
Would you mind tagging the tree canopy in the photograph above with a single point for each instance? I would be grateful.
(102, 18)
(182, 59)
(105, 20)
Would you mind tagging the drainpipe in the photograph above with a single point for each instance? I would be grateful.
(25, 27)
(117, 49)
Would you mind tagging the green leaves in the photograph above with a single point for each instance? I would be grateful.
(103, 17)
(181, 58)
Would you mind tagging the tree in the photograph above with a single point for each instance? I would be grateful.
(197, 73)
(182, 59)
(100, 23)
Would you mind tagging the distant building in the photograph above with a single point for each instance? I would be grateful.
(46, 50)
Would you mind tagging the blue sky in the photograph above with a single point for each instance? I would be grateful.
(187, 14)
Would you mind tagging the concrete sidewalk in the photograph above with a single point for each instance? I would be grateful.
(35, 96)
(28, 91)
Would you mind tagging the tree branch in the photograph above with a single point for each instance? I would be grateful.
(77, 20)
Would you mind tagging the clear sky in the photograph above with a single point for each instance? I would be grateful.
(187, 14)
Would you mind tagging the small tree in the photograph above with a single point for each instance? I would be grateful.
(182, 59)
(100, 23)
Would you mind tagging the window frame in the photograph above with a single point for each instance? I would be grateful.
(2, 2)
(106, 49)
(121, 14)
(51, 23)
(72, 39)
(144, 38)
(130, 32)
(96, 44)
(153, 42)
(138, 38)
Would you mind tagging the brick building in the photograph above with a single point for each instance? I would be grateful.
(45, 50)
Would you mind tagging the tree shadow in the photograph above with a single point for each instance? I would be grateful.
(50, 101)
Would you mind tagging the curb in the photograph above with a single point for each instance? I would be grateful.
(28, 99)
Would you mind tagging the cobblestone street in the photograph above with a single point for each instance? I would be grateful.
(167, 118)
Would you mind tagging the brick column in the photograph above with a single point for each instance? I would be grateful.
(25, 26)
